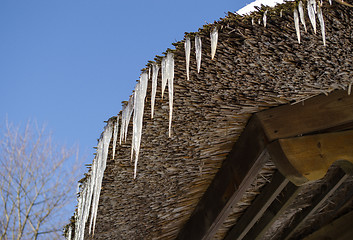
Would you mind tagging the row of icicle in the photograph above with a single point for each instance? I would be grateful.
(313, 10)
(90, 190)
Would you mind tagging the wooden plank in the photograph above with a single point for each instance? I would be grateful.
(273, 212)
(300, 218)
(308, 158)
(340, 229)
(258, 207)
(236, 174)
(316, 114)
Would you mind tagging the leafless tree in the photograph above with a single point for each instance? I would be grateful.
(37, 182)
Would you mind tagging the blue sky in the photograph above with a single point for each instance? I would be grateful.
(69, 63)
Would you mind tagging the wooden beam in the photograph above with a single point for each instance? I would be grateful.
(258, 207)
(237, 173)
(308, 158)
(300, 218)
(273, 212)
(314, 115)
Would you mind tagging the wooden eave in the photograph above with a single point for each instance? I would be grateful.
(303, 140)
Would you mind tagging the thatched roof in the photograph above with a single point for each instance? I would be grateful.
(255, 68)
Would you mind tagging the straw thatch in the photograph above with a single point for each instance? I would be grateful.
(254, 68)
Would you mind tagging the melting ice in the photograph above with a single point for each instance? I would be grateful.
(301, 14)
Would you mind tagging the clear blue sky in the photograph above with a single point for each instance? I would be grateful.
(70, 63)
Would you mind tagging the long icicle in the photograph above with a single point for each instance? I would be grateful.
(140, 95)
(214, 40)
(322, 24)
(301, 14)
(164, 75)
(198, 49)
(130, 109)
(296, 23)
(115, 135)
(187, 56)
(311, 13)
(155, 69)
(170, 61)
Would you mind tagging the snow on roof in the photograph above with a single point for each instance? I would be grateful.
(251, 6)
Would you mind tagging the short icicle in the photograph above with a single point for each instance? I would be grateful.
(301, 14)
(296, 23)
(322, 24)
(170, 69)
(164, 75)
(139, 105)
(198, 48)
(312, 13)
(187, 56)
(214, 40)
(264, 18)
(155, 69)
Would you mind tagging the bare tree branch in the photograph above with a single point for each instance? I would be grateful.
(36, 183)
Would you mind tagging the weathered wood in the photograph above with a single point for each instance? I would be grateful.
(308, 158)
(260, 205)
(340, 229)
(339, 178)
(235, 176)
(315, 114)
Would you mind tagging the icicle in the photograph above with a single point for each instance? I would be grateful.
(164, 75)
(115, 134)
(155, 69)
(281, 13)
(187, 56)
(330, 1)
(252, 21)
(198, 47)
(296, 23)
(311, 13)
(139, 105)
(264, 18)
(149, 73)
(350, 89)
(125, 119)
(214, 40)
(259, 21)
(322, 24)
(301, 14)
(170, 69)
